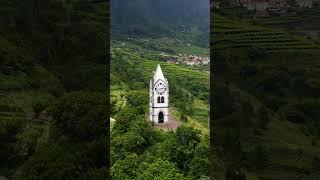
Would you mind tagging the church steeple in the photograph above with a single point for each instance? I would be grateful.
(158, 74)
(159, 97)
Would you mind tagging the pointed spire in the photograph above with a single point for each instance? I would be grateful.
(158, 74)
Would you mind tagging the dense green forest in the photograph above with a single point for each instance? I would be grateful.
(266, 101)
(53, 98)
(141, 30)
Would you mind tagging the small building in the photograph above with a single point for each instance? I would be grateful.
(264, 7)
(261, 13)
(304, 3)
(216, 4)
(251, 5)
(261, 5)
(279, 6)
(189, 63)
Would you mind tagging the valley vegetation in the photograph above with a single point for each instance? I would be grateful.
(265, 123)
(53, 100)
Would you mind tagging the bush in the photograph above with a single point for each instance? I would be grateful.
(160, 169)
(41, 103)
(235, 174)
(79, 116)
(183, 117)
(139, 100)
(68, 161)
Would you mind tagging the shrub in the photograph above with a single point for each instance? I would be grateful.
(80, 116)
(41, 103)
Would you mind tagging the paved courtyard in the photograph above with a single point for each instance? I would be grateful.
(172, 124)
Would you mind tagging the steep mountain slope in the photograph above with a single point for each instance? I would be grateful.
(266, 119)
(227, 33)
(303, 22)
(48, 50)
(168, 18)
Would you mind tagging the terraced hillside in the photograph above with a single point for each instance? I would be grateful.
(266, 81)
(10, 114)
(174, 71)
(17, 102)
(227, 33)
(302, 18)
(171, 70)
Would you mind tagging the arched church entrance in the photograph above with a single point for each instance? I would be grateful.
(160, 117)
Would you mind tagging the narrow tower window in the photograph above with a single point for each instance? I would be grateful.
(162, 99)
(158, 99)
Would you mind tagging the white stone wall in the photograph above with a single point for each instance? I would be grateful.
(156, 107)
(155, 115)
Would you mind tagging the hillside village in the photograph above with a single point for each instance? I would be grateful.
(265, 8)
(190, 60)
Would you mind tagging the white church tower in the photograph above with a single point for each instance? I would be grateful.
(159, 97)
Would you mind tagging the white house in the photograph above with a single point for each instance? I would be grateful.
(304, 3)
